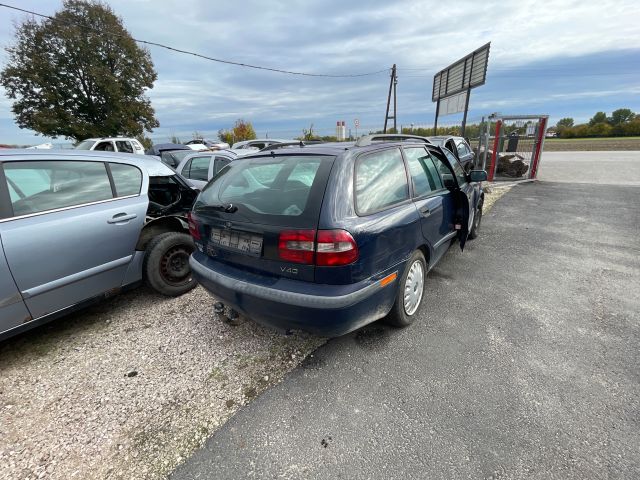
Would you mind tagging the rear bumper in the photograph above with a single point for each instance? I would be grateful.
(284, 304)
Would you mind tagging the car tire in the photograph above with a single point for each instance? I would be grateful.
(166, 264)
(477, 219)
(405, 311)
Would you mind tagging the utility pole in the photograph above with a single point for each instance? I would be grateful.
(392, 86)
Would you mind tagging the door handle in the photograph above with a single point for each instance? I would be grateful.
(121, 218)
(424, 211)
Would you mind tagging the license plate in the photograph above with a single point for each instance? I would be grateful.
(241, 241)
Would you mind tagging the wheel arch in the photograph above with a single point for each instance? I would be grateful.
(426, 251)
(158, 226)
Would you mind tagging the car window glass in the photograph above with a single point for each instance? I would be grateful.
(124, 146)
(381, 181)
(271, 187)
(302, 175)
(137, 145)
(42, 186)
(423, 173)
(265, 173)
(126, 178)
(442, 168)
(199, 169)
(185, 169)
(220, 163)
(462, 149)
(104, 147)
(457, 168)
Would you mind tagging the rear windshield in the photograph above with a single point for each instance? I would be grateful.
(285, 190)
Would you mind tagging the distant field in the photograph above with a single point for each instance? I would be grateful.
(591, 144)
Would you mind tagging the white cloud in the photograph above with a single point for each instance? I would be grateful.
(336, 36)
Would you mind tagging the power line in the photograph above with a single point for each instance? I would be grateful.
(199, 55)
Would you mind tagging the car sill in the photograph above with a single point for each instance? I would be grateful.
(76, 277)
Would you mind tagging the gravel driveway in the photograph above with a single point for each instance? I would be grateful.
(131, 387)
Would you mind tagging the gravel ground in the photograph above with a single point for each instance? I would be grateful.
(130, 387)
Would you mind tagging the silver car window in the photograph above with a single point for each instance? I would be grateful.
(49, 185)
(199, 168)
(126, 178)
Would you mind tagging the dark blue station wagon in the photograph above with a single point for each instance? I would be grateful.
(329, 237)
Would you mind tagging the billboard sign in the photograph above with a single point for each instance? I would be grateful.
(466, 73)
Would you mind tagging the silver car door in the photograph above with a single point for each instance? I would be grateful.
(13, 311)
(73, 231)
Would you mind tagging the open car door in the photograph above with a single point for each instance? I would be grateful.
(462, 196)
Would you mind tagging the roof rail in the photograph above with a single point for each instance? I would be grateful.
(299, 143)
(388, 137)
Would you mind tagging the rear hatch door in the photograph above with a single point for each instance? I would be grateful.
(254, 206)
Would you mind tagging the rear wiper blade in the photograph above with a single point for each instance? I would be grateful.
(222, 207)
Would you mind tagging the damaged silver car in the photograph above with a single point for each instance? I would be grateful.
(78, 226)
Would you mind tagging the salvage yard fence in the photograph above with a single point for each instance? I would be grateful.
(510, 147)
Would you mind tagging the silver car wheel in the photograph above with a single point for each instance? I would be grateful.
(413, 287)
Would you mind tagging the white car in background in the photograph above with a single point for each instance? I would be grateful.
(204, 144)
(112, 144)
(200, 167)
(259, 143)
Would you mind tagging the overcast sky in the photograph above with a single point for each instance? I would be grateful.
(563, 58)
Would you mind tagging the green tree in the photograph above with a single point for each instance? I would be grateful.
(566, 122)
(620, 116)
(601, 129)
(241, 131)
(225, 136)
(79, 74)
(599, 117)
(146, 142)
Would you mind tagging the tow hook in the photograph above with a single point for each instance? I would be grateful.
(218, 308)
(232, 317)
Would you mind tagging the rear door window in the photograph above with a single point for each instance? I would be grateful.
(124, 146)
(283, 190)
(199, 168)
(424, 176)
(126, 178)
(41, 186)
(380, 181)
(219, 164)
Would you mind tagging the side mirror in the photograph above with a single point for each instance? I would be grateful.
(478, 176)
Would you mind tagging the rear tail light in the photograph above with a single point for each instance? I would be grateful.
(194, 226)
(335, 247)
(297, 246)
(322, 248)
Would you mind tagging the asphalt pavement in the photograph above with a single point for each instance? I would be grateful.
(524, 363)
